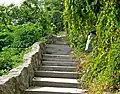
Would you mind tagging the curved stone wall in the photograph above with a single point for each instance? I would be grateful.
(21, 77)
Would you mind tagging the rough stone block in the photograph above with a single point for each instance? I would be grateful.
(21, 77)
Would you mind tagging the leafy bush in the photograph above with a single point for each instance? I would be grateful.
(22, 26)
(55, 9)
(27, 34)
(80, 17)
(15, 43)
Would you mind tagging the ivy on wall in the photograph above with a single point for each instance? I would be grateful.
(80, 17)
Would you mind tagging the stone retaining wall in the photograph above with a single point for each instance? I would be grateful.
(21, 77)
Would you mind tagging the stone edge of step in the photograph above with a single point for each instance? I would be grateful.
(56, 90)
(58, 66)
(58, 72)
(56, 80)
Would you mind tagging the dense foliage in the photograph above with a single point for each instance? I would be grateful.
(55, 9)
(21, 26)
(102, 70)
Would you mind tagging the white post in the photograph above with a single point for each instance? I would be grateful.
(88, 44)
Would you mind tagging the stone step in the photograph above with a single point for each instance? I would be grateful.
(57, 46)
(58, 68)
(56, 74)
(60, 42)
(57, 56)
(58, 63)
(53, 90)
(55, 82)
(57, 49)
(57, 59)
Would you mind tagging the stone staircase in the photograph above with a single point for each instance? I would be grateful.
(57, 74)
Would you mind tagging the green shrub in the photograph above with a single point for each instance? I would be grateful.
(81, 16)
(22, 26)
(16, 43)
(27, 34)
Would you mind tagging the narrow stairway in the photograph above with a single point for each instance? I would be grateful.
(57, 74)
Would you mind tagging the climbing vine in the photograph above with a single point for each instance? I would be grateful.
(102, 70)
